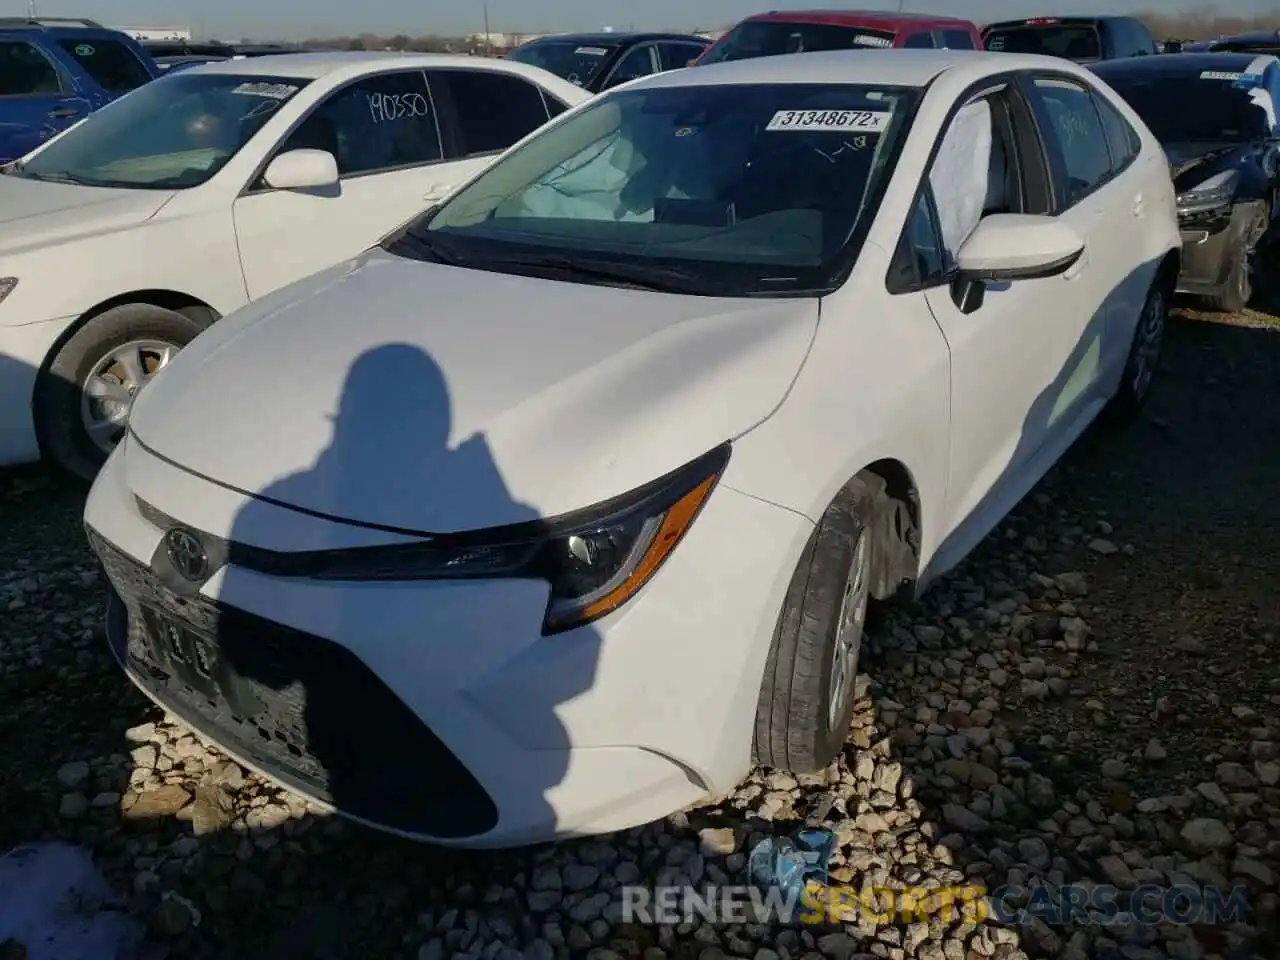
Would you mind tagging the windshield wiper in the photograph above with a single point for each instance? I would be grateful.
(419, 243)
(63, 177)
(640, 277)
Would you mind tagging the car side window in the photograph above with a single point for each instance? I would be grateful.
(918, 262)
(113, 66)
(1122, 140)
(1143, 41)
(636, 62)
(673, 55)
(554, 105)
(957, 40)
(26, 72)
(1075, 126)
(489, 110)
(378, 123)
(971, 175)
(919, 41)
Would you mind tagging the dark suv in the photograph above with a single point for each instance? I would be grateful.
(598, 61)
(1082, 39)
(53, 72)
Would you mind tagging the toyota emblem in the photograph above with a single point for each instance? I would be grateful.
(186, 553)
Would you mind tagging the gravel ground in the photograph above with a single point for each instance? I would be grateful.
(1093, 698)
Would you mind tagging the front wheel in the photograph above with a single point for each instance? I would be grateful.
(807, 695)
(83, 399)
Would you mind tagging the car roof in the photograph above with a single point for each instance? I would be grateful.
(86, 29)
(613, 37)
(1175, 64)
(1067, 18)
(906, 68)
(1253, 36)
(869, 19)
(345, 64)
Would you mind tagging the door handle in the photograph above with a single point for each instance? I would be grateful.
(1138, 205)
(1077, 268)
(61, 112)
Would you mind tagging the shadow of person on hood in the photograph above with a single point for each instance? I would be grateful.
(312, 703)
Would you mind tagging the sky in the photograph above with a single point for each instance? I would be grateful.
(299, 19)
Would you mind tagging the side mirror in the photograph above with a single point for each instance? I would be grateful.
(1005, 247)
(302, 170)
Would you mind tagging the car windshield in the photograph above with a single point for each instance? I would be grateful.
(1071, 41)
(576, 62)
(1191, 107)
(768, 38)
(173, 133)
(737, 189)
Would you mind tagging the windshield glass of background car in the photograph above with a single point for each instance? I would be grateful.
(576, 62)
(764, 176)
(768, 38)
(172, 133)
(1187, 108)
(1069, 41)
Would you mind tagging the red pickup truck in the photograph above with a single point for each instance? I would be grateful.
(807, 31)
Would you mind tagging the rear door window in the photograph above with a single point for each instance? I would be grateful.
(673, 56)
(1074, 123)
(110, 63)
(26, 72)
(921, 40)
(636, 62)
(490, 111)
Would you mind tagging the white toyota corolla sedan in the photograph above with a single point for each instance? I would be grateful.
(129, 233)
(563, 506)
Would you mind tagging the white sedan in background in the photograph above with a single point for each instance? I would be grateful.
(127, 235)
(565, 505)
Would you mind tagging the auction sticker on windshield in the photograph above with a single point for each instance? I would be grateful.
(840, 121)
(276, 91)
(1219, 75)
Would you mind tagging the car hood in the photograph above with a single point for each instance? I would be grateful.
(435, 399)
(36, 213)
(1204, 158)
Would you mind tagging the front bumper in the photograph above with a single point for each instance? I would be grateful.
(1210, 247)
(436, 710)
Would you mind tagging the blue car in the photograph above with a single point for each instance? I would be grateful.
(54, 72)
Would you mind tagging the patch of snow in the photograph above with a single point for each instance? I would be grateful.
(54, 902)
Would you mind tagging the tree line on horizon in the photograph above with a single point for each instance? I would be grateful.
(1200, 23)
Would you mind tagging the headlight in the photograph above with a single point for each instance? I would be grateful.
(1218, 191)
(6, 286)
(595, 559)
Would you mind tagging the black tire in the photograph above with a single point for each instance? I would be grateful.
(1135, 383)
(1238, 289)
(793, 728)
(57, 402)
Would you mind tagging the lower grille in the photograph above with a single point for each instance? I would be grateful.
(297, 706)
